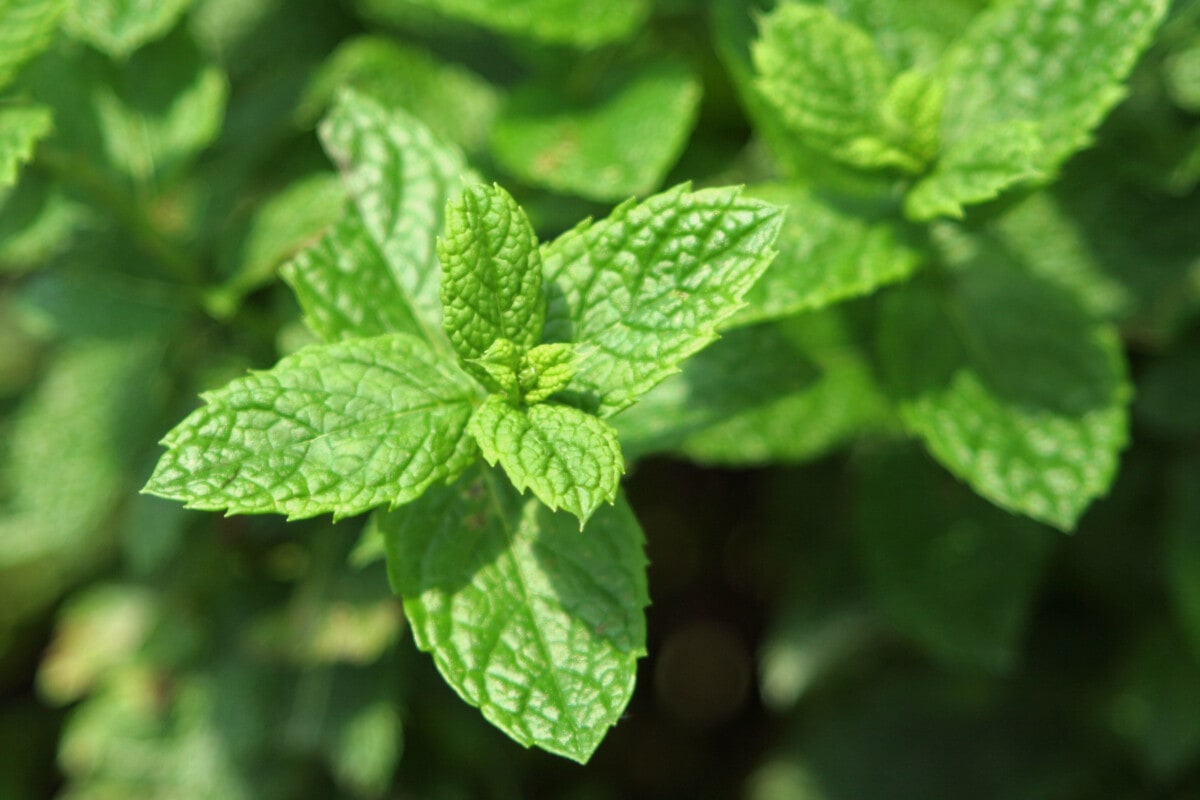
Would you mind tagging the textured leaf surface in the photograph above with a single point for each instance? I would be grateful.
(828, 83)
(957, 576)
(26, 27)
(826, 254)
(1059, 64)
(118, 27)
(347, 289)
(491, 273)
(1012, 388)
(568, 458)
(338, 428)
(536, 623)
(20, 129)
(585, 23)
(550, 140)
(785, 391)
(976, 168)
(401, 178)
(645, 288)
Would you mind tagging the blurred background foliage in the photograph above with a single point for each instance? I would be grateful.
(834, 617)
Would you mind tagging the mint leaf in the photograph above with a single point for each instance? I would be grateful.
(583, 23)
(26, 28)
(957, 576)
(645, 288)
(822, 74)
(118, 27)
(786, 391)
(455, 103)
(1011, 387)
(491, 273)
(1048, 62)
(20, 130)
(548, 137)
(401, 178)
(830, 87)
(347, 289)
(977, 168)
(338, 428)
(569, 458)
(827, 254)
(536, 624)
(546, 370)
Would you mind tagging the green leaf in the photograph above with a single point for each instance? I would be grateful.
(976, 168)
(145, 118)
(401, 178)
(828, 83)
(338, 428)
(20, 129)
(38, 219)
(957, 576)
(1011, 387)
(785, 391)
(26, 29)
(347, 289)
(645, 288)
(827, 254)
(549, 138)
(570, 459)
(284, 224)
(546, 370)
(537, 624)
(582, 23)
(456, 104)
(491, 273)
(118, 27)
(1049, 62)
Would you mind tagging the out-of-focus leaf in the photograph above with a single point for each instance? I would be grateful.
(956, 575)
(118, 27)
(20, 130)
(582, 23)
(455, 103)
(96, 633)
(550, 139)
(1047, 62)
(826, 255)
(37, 220)
(785, 392)
(26, 28)
(1011, 387)
(1153, 703)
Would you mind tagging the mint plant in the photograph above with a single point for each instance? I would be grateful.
(536, 345)
(833, 421)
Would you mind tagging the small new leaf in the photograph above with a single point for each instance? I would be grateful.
(545, 370)
(568, 458)
(491, 273)
(338, 428)
(647, 287)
